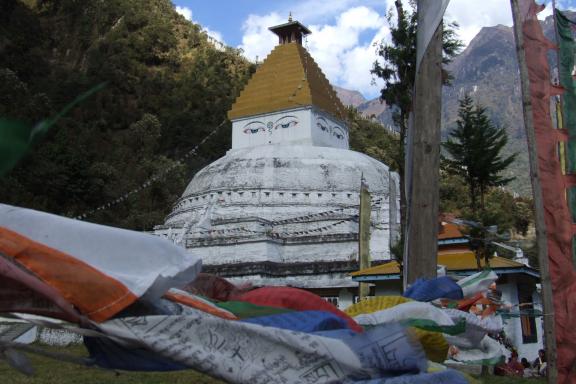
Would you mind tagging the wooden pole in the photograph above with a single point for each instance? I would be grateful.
(364, 236)
(541, 236)
(421, 248)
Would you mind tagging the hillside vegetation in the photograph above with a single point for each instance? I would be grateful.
(167, 87)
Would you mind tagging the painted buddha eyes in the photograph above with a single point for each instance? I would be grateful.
(322, 124)
(254, 127)
(286, 122)
(338, 133)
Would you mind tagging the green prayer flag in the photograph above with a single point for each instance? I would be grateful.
(245, 310)
(566, 51)
(16, 137)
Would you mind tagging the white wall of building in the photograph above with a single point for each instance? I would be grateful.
(513, 327)
(302, 126)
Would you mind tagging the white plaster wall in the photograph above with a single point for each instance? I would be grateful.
(327, 280)
(268, 251)
(284, 127)
(328, 132)
(301, 126)
(28, 337)
(58, 337)
(281, 183)
(530, 351)
(345, 299)
(230, 210)
(513, 327)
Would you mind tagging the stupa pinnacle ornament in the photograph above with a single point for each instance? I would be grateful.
(281, 208)
(290, 32)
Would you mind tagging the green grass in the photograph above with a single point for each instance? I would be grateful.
(510, 380)
(48, 371)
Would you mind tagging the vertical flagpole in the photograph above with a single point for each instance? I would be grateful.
(541, 238)
(421, 248)
(364, 236)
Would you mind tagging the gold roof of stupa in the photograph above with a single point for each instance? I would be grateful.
(288, 78)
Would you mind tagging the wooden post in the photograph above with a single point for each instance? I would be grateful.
(421, 248)
(541, 237)
(364, 236)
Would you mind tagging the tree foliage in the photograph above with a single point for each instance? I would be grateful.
(372, 138)
(502, 208)
(475, 147)
(167, 87)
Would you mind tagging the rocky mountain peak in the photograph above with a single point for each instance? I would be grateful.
(348, 97)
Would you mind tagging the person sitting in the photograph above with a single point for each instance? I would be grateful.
(527, 367)
(514, 367)
(539, 364)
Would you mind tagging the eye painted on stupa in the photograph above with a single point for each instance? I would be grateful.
(338, 132)
(286, 122)
(254, 127)
(322, 124)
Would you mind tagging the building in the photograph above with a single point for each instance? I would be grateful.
(281, 208)
(517, 281)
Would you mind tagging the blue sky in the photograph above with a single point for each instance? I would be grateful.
(343, 31)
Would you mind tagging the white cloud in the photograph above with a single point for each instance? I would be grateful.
(473, 16)
(314, 11)
(257, 40)
(548, 11)
(184, 11)
(187, 13)
(339, 52)
(214, 34)
(488, 13)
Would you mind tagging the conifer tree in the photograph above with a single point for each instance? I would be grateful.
(476, 154)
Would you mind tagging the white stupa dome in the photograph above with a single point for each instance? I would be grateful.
(281, 208)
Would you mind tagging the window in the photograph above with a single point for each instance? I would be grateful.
(332, 300)
(357, 299)
(527, 321)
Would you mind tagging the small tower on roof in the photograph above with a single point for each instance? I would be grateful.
(292, 31)
(288, 100)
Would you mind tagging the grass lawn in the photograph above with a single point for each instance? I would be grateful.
(510, 380)
(50, 371)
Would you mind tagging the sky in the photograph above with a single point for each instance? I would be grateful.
(343, 31)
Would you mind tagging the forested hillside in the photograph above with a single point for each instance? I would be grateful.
(166, 88)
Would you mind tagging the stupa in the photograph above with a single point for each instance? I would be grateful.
(281, 208)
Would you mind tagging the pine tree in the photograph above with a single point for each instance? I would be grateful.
(475, 147)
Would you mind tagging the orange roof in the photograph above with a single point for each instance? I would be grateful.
(455, 260)
(449, 231)
(288, 78)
